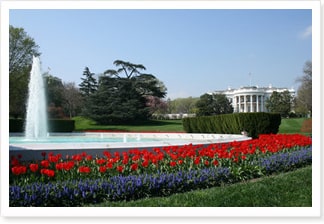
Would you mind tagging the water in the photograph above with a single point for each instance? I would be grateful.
(36, 119)
(78, 139)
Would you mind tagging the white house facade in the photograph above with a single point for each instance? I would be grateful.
(251, 98)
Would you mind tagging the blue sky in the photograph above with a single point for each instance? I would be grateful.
(191, 51)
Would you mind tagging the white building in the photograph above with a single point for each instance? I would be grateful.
(251, 98)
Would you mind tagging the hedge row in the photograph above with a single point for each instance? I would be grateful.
(253, 123)
(55, 125)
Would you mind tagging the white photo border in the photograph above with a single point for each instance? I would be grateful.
(314, 211)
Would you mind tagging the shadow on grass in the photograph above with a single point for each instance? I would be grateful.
(105, 129)
(146, 126)
(156, 123)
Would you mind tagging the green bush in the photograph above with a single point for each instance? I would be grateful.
(55, 125)
(58, 125)
(253, 123)
(16, 125)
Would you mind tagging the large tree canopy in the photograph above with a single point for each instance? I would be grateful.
(183, 105)
(213, 104)
(18, 92)
(116, 101)
(280, 102)
(124, 99)
(127, 68)
(21, 50)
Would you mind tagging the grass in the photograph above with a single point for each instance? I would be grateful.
(83, 124)
(292, 189)
(292, 125)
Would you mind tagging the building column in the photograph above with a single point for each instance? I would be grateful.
(257, 103)
(262, 104)
(245, 104)
(251, 103)
(237, 105)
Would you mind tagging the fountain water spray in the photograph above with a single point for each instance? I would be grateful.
(36, 119)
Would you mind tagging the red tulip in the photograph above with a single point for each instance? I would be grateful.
(145, 163)
(17, 170)
(134, 166)
(197, 161)
(102, 169)
(215, 163)
(84, 169)
(47, 172)
(120, 169)
(100, 161)
(33, 167)
(45, 163)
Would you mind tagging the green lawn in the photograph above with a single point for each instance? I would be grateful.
(291, 125)
(83, 124)
(292, 189)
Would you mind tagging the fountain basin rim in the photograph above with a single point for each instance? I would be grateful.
(164, 139)
(31, 151)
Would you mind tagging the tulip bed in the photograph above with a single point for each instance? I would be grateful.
(81, 179)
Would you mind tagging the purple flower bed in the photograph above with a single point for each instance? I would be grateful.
(283, 162)
(76, 193)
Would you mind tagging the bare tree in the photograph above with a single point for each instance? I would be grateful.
(72, 99)
(304, 92)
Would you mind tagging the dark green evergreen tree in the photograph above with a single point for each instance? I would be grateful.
(54, 96)
(280, 102)
(89, 83)
(117, 102)
(54, 90)
(124, 99)
(205, 105)
(87, 88)
(213, 104)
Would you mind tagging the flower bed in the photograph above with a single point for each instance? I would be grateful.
(80, 179)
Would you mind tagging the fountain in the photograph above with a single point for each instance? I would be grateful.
(36, 119)
(37, 139)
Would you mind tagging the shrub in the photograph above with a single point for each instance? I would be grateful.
(253, 123)
(55, 125)
(16, 125)
(59, 125)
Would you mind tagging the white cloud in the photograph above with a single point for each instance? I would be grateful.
(306, 33)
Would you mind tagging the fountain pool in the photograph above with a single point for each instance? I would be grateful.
(95, 143)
